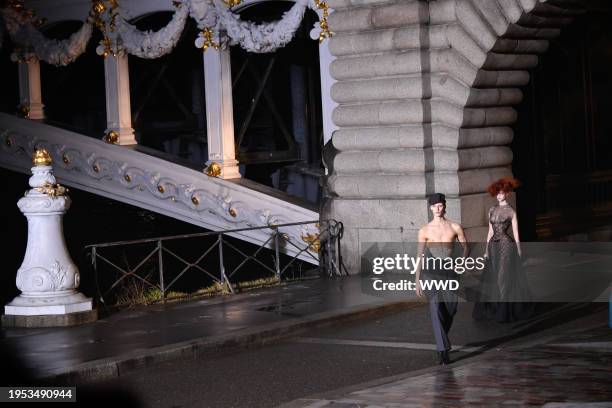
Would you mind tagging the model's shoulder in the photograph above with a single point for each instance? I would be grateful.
(455, 225)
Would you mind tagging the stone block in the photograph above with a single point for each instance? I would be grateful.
(400, 14)
(476, 158)
(351, 19)
(340, 4)
(501, 78)
(512, 10)
(402, 214)
(57, 320)
(493, 97)
(388, 162)
(473, 23)
(378, 186)
(510, 62)
(419, 136)
(487, 136)
(481, 117)
(493, 14)
(517, 46)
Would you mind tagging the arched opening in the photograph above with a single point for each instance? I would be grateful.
(167, 95)
(74, 95)
(277, 108)
(563, 137)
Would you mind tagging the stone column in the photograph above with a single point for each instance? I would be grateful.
(425, 94)
(30, 99)
(47, 278)
(118, 110)
(220, 113)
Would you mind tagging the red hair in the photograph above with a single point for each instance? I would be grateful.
(505, 184)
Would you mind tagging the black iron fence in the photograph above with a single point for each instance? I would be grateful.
(155, 268)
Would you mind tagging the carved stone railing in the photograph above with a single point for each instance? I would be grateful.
(138, 179)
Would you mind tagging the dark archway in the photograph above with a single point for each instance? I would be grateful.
(563, 137)
(74, 95)
(167, 95)
(277, 108)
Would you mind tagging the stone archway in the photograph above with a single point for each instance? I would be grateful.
(426, 93)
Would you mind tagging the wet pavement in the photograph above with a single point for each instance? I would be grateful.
(573, 369)
(380, 350)
(50, 351)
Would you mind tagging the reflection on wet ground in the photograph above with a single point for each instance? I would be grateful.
(575, 372)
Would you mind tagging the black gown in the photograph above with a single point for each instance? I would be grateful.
(504, 293)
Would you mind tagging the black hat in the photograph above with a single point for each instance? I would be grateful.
(436, 198)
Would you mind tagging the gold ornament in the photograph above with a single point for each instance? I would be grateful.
(23, 111)
(98, 7)
(65, 159)
(207, 32)
(195, 200)
(52, 190)
(111, 137)
(41, 157)
(213, 170)
(127, 178)
(325, 31)
(161, 189)
(233, 212)
(232, 3)
(313, 241)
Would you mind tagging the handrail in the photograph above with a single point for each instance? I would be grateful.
(198, 234)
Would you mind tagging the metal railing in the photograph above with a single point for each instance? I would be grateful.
(151, 256)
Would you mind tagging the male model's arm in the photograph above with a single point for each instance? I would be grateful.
(422, 237)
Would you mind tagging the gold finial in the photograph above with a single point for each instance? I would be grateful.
(213, 170)
(111, 137)
(41, 157)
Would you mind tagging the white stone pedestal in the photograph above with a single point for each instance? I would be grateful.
(47, 278)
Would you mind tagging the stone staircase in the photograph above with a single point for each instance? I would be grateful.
(133, 177)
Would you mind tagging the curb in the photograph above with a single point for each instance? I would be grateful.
(113, 367)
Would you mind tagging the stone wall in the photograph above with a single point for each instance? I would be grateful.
(425, 93)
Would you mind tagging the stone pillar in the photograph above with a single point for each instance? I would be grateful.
(425, 94)
(30, 99)
(47, 278)
(118, 110)
(220, 113)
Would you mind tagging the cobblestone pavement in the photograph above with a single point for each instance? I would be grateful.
(572, 369)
